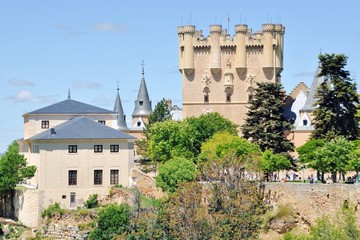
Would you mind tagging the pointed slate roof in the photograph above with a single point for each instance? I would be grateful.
(310, 101)
(142, 103)
(70, 106)
(81, 128)
(121, 123)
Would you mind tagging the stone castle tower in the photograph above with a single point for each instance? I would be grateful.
(220, 72)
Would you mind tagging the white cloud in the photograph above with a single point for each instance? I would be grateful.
(110, 27)
(85, 84)
(27, 96)
(20, 82)
(304, 74)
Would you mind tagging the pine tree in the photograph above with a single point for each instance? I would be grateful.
(265, 123)
(337, 101)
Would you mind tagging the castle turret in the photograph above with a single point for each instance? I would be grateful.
(121, 118)
(268, 52)
(186, 50)
(142, 103)
(214, 39)
(240, 42)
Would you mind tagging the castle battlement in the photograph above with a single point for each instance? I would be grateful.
(220, 71)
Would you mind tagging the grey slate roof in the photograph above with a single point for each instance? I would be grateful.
(81, 128)
(70, 106)
(142, 103)
(121, 123)
(310, 101)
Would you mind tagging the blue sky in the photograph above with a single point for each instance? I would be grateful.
(47, 47)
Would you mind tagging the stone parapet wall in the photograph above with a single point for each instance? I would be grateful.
(311, 201)
(28, 207)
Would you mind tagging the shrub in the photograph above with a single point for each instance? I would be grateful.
(52, 210)
(92, 202)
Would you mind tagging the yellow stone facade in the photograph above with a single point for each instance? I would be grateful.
(220, 72)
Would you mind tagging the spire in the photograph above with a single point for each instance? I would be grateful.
(142, 103)
(121, 121)
(69, 94)
(310, 100)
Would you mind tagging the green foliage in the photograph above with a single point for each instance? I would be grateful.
(225, 205)
(161, 112)
(308, 151)
(337, 98)
(170, 139)
(13, 168)
(265, 123)
(92, 202)
(174, 172)
(112, 221)
(223, 145)
(52, 210)
(334, 156)
(271, 162)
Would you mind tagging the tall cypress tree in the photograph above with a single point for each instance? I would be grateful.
(265, 123)
(337, 99)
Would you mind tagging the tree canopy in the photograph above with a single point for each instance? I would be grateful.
(161, 112)
(14, 168)
(337, 99)
(265, 124)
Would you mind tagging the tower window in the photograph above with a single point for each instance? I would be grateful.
(138, 123)
(141, 103)
(228, 98)
(250, 97)
(305, 122)
(206, 98)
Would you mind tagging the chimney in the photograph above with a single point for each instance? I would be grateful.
(169, 103)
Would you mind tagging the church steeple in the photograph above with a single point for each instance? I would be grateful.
(121, 121)
(142, 103)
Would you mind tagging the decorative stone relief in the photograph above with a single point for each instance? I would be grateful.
(250, 76)
(228, 75)
(206, 79)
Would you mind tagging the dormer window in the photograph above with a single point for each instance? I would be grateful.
(102, 122)
(141, 103)
(45, 124)
(305, 122)
(138, 123)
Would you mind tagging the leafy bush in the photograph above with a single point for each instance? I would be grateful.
(92, 202)
(174, 172)
(112, 221)
(52, 210)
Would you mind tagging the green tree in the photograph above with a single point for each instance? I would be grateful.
(112, 221)
(265, 124)
(14, 168)
(174, 172)
(271, 162)
(161, 112)
(205, 126)
(169, 139)
(223, 144)
(334, 156)
(337, 98)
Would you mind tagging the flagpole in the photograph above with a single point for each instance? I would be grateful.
(228, 24)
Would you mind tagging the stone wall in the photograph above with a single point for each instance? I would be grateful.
(28, 207)
(311, 201)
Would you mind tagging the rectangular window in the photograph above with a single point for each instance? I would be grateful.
(98, 148)
(102, 122)
(114, 177)
(228, 98)
(98, 177)
(45, 124)
(72, 148)
(114, 148)
(206, 98)
(305, 122)
(72, 177)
